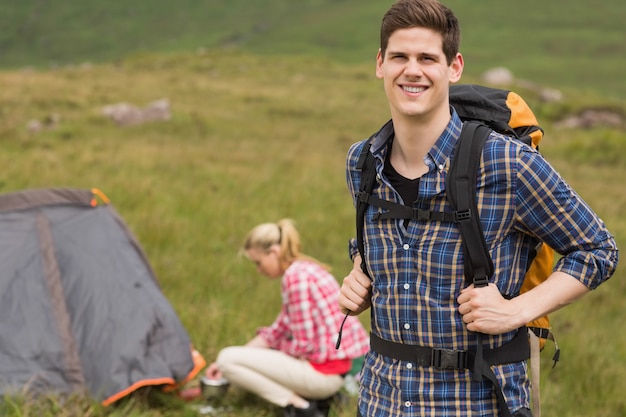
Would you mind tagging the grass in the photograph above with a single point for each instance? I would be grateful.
(557, 43)
(255, 139)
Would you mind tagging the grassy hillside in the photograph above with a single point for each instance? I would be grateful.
(255, 139)
(557, 43)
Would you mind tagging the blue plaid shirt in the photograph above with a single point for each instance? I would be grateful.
(418, 274)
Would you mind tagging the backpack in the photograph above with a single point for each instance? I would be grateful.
(505, 112)
(481, 109)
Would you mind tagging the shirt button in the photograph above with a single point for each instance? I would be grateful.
(407, 326)
(407, 403)
(407, 286)
(409, 365)
(440, 167)
(406, 246)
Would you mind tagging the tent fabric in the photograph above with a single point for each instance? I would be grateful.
(81, 308)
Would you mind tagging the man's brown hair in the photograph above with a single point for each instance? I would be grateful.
(429, 14)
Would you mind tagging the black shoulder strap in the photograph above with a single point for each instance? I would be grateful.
(461, 192)
(366, 164)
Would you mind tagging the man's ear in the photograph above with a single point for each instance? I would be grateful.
(456, 68)
(379, 64)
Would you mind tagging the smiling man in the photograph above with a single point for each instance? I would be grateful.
(424, 318)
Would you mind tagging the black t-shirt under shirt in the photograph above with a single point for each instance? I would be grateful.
(407, 188)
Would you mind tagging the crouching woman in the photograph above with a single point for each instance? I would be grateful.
(293, 362)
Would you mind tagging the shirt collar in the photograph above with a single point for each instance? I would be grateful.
(442, 149)
(437, 155)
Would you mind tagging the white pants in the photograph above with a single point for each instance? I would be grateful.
(274, 375)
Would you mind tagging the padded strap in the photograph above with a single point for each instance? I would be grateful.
(461, 191)
(366, 164)
(515, 350)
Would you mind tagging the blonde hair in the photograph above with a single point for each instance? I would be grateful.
(282, 233)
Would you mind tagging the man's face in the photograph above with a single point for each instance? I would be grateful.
(415, 73)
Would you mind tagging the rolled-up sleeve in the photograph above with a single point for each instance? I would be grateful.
(550, 209)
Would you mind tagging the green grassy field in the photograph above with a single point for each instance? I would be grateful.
(557, 43)
(255, 139)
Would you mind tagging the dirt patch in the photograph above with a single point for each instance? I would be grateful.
(594, 117)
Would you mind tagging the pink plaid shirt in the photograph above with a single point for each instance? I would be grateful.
(309, 320)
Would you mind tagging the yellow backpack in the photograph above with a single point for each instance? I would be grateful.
(506, 112)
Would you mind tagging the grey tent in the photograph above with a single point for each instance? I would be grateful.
(80, 309)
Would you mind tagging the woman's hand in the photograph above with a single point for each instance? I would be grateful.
(213, 372)
(257, 341)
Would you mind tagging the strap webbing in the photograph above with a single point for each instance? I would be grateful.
(400, 211)
(543, 333)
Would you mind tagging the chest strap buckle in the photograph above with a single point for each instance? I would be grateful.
(448, 359)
